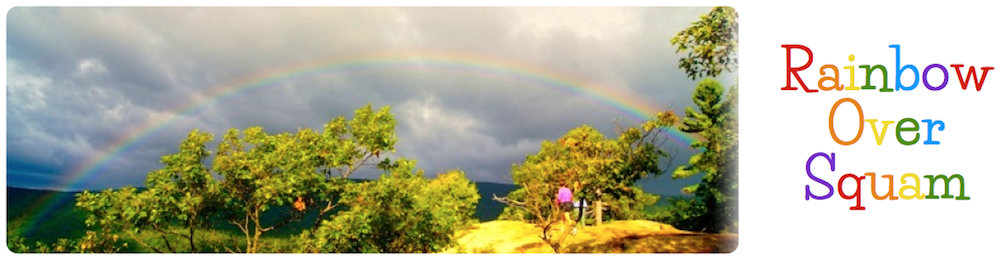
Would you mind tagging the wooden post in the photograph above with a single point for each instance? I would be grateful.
(599, 217)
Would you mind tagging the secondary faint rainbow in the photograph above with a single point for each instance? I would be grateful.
(633, 107)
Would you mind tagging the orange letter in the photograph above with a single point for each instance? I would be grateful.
(835, 79)
(861, 121)
(891, 195)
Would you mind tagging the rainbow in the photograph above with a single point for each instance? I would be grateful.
(32, 215)
(633, 107)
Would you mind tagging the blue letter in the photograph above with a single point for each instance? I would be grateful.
(916, 75)
(930, 126)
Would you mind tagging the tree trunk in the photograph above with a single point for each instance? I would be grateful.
(599, 217)
(599, 212)
(191, 237)
(164, 236)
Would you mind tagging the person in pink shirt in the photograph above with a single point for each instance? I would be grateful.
(565, 200)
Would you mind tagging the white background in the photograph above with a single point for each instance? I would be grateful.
(780, 129)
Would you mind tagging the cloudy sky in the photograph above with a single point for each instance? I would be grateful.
(467, 85)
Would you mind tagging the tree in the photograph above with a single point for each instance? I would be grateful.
(711, 44)
(185, 187)
(181, 194)
(254, 173)
(259, 171)
(632, 208)
(539, 180)
(401, 212)
(714, 209)
(307, 170)
(344, 148)
(712, 41)
(606, 170)
(641, 155)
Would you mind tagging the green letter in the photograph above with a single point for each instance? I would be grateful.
(900, 129)
(868, 78)
(947, 180)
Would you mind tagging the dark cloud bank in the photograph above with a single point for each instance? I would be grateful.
(79, 79)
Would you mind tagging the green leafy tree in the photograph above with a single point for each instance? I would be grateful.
(712, 44)
(639, 153)
(539, 180)
(342, 149)
(184, 189)
(633, 208)
(456, 194)
(603, 170)
(128, 211)
(401, 212)
(307, 170)
(288, 174)
(717, 192)
(259, 172)
(180, 195)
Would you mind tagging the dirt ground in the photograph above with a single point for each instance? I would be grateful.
(634, 236)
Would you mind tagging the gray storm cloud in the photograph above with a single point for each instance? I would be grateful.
(81, 79)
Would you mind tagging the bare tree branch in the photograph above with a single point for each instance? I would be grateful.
(509, 201)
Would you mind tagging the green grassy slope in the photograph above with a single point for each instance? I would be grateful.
(41, 215)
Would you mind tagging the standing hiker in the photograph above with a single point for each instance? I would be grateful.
(565, 200)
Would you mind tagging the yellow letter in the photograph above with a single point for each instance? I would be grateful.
(851, 68)
(885, 124)
(902, 180)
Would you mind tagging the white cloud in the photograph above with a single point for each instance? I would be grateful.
(25, 90)
(90, 66)
(586, 22)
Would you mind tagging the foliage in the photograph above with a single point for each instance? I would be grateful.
(92, 242)
(717, 124)
(259, 173)
(400, 212)
(182, 193)
(344, 148)
(16, 245)
(602, 169)
(631, 208)
(687, 213)
(711, 43)
(307, 169)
